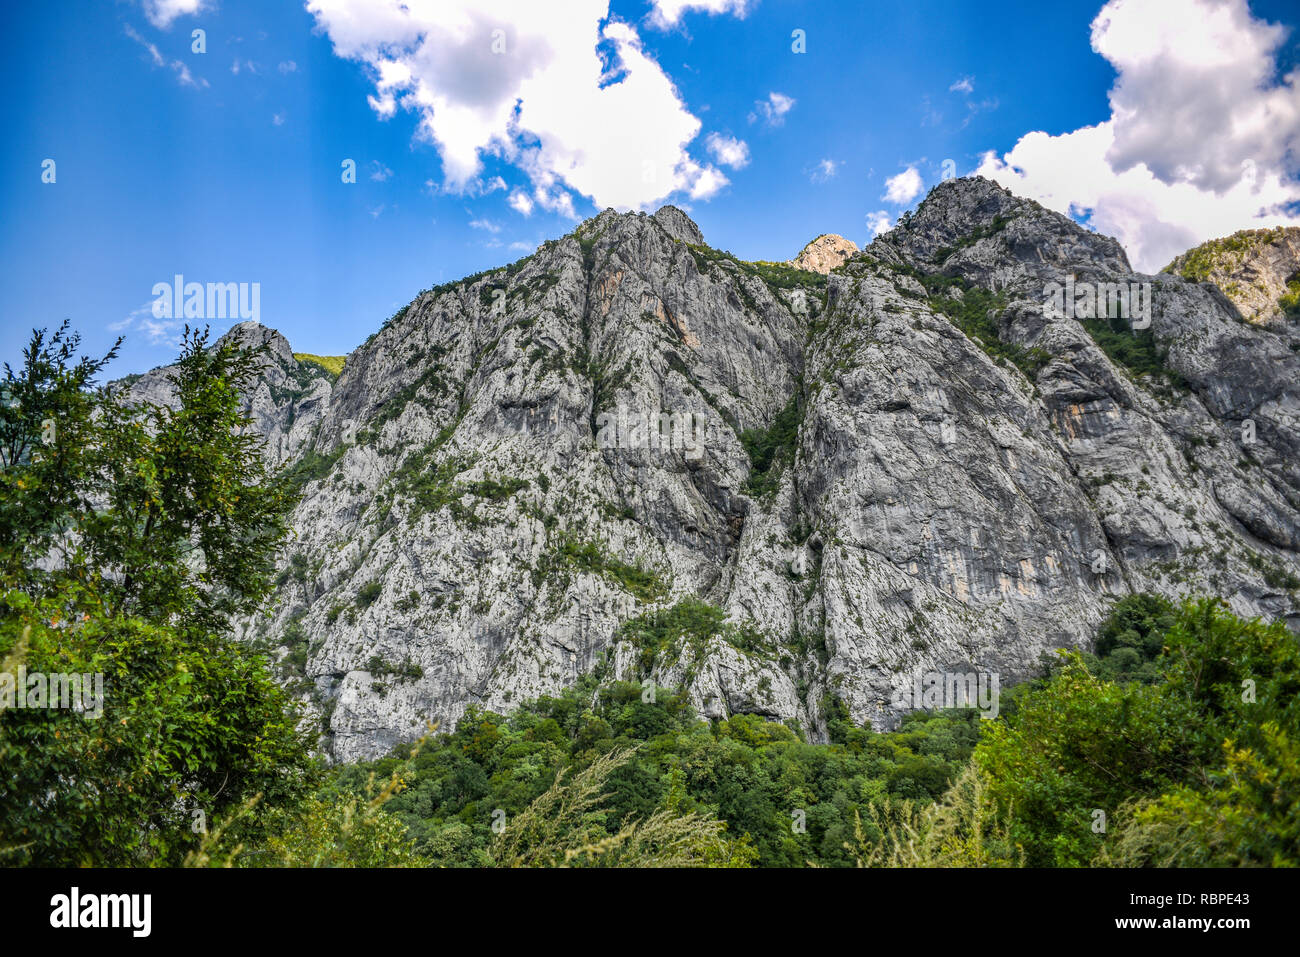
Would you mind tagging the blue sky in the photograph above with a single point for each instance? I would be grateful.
(225, 166)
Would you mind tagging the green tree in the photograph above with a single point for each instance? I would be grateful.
(127, 542)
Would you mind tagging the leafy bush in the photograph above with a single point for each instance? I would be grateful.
(772, 448)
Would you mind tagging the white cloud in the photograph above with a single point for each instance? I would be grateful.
(484, 224)
(824, 170)
(379, 172)
(964, 85)
(161, 13)
(727, 150)
(277, 119)
(667, 13)
(288, 66)
(520, 203)
(707, 183)
(1203, 139)
(903, 188)
(773, 109)
(160, 332)
(543, 101)
(181, 70)
(879, 223)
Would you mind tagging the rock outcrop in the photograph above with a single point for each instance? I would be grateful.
(824, 253)
(1257, 269)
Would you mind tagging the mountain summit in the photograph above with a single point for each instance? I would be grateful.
(824, 253)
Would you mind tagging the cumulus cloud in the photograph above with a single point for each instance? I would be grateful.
(379, 172)
(574, 101)
(903, 188)
(1203, 137)
(964, 85)
(772, 110)
(161, 13)
(727, 150)
(878, 223)
(667, 13)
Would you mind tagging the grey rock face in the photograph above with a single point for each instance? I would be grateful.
(969, 482)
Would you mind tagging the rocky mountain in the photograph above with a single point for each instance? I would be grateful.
(630, 451)
(286, 405)
(1257, 269)
(824, 253)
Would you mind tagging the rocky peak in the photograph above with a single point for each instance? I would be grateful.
(285, 404)
(824, 253)
(679, 226)
(979, 227)
(1257, 269)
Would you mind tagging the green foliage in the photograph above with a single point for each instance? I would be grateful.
(962, 829)
(1134, 349)
(566, 826)
(665, 634)
(772, 448)
(330, 828)
(1289, 302)
(974, 313)
(162, 523)
(1131, 639)
(311, 466)
(369, 593)
(46, 487)
(331, 364)
(191, 722)
(1180, 766)
(785, 276)
(774, 275)
(1250, 817)
(594, 557)
(746, 771)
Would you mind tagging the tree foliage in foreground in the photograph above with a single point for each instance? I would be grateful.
(129, 534)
